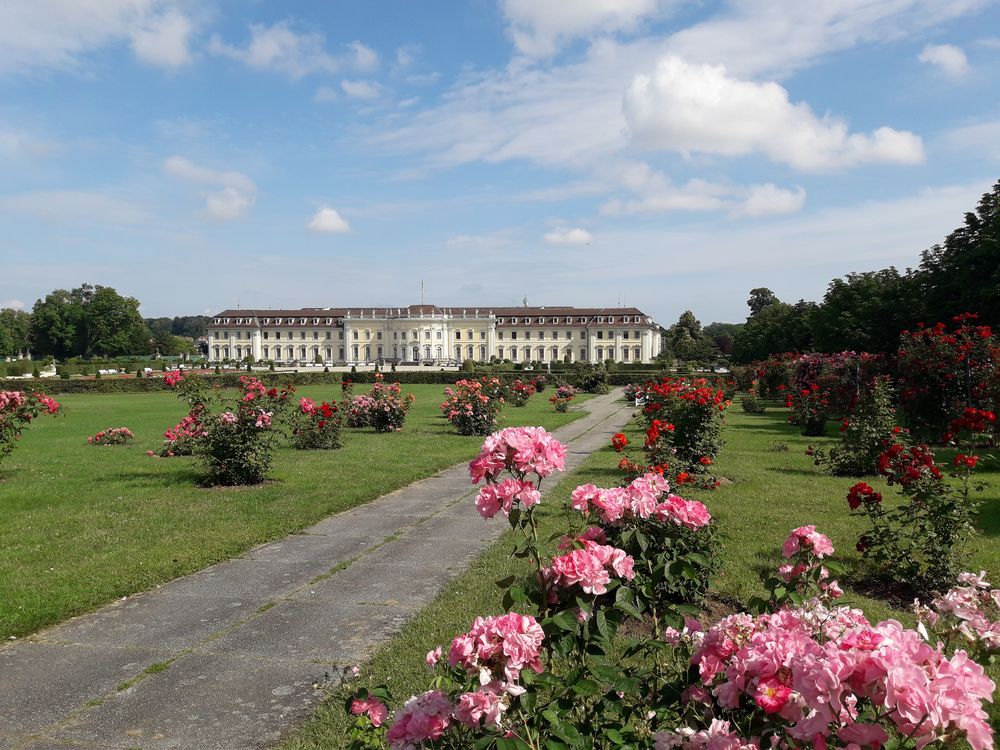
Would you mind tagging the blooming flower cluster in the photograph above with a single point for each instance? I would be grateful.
(472, 406)
(645, 497)
(520, 450)
(111, 436)
(804, 573)
(501, 497)
(862, 493)
(968, 614)
(589, 567)
(383, 408)
(565, 390)
(17, 410)
(423, 717)
(316, 425)
(818, 675)
(520, 393)
(619, 441)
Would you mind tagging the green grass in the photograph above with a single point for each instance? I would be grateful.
(81, 525)
(772, 492)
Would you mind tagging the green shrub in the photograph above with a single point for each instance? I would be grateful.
(863, 435)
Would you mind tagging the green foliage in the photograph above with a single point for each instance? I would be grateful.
(917, 544)
(15, 326)
(863, 435)
(751, 403)
(776, 327)
(87, 320)
(592, 378)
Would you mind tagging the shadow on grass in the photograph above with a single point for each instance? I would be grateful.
(787, 430)
(146, 477)
(989, 517)
(799, 472)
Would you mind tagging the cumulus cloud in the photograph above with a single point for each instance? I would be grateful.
(328, 221)
(948, 58)
(163, 40)
(699, 108)
(539, 27)
(279, 48)
(233, 192)
(575, 236)
(360, 89)
(58, 34)
(769, 200)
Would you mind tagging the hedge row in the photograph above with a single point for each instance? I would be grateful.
(231, 380)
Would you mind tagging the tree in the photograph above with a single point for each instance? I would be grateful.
(760, 298)
(724, 335)
(963, 274)
(864, 312)
(15, 327)
(87, 320)
(777, 327)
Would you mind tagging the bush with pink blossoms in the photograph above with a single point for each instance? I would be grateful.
(112, 436)
(17, 411)
(235, 439)
(557, 671)
(473, 406)
(383, 408)
(967, 616)
(183, 437)
(316, 426)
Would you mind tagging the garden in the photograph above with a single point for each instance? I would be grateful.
(88, 516)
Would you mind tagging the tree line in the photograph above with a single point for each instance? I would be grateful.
(94, 321)
(865, 311)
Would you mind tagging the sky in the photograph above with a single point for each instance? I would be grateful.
(660, 154)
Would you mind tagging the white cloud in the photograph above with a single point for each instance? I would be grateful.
(363, 56)
(360, 89)
(328, 221)
(689, 107)
(77, 207)
(12, 304)
(233, 191)
(280, 49)
(325, 94)
(947, 58)
(58, 34)
(163, 40)
(16, 144)
(490, 241)
(769, 200)
(539, 27)
(406, 55)
(575, 236)
(981, 139)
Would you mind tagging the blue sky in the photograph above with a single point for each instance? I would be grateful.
(666, 154)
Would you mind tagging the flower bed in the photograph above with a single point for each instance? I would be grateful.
(554, 670)
(112, 436)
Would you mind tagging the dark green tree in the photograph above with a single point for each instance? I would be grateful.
(866, 312)
(963, 274)
(760, 298)
(777, 327)
(15, 327)
(57, 325)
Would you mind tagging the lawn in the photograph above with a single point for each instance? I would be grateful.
(775, 488)
(81, 525)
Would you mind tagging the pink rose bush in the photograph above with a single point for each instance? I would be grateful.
(112, 436)
(383, 408)
(552, 671)
(17, 411)
(235, 439)
(316, 426)
(473, 406)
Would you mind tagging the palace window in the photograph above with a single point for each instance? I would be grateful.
(340, 335)
(315, 335)
(500, 335)
(482, 335)
(302, 334)
(277, 334)
(600, 334)
(468, 335)
(513, 335)
(378, 335)
(265, 335)
(368, 335)
(327, 335)
(637, 334)
(438, 336)
(527, 335)
(458, 335)
(625, 334)
(427, 337)
(541, 335)
(354, 335)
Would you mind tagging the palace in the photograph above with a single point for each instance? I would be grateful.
(432, 335)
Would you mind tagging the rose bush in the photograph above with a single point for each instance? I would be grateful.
(112, 436)
(317, 426)
(864, 434)
(473, 406)
(234, 438)
(383, 408)
(556, 670)
(944, 369)
(17, 411)
(520, 393)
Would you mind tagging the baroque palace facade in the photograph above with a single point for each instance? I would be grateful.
(432, 335)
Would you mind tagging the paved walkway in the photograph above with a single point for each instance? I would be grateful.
(233, 656)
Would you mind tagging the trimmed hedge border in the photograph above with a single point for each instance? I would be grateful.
(231, 380)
